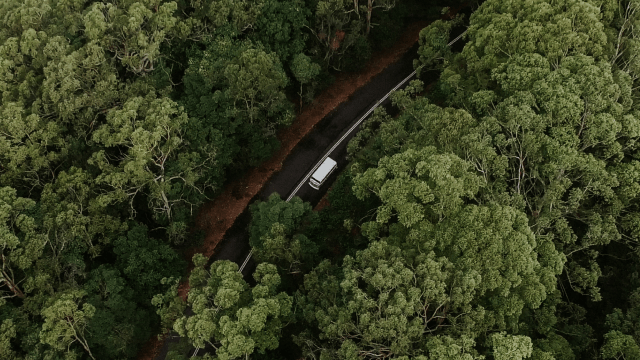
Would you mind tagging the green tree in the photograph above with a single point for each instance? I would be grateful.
(451, 281)
(132, 30)
(275, 234)
(448, 348)
(436, 266)
(619, 346)
(118, 325)
(169, 305)
(240, 119)
(7, 334)
(236, 319)
(77, 223)
(65, 322)
(280, 27)
(256, 82)
(517, 77)
(407, 181)
(150, 157)
(289, 214)
(25, 147)
(144, 260)
(90, 135)
(21, 246)
(542, 109)
(333, 22)
(305, 71)
(343, 25)
(507, 347)
(434, 40)
(292, 253)
(624, 329)
(241, 15)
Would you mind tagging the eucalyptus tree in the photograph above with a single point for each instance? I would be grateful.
(304, 70)
(547, 120)
(235, 99)
(290, 214)
(343, 25)
(69, 69)
(150, 157)
(541, 105)
(240, 14)
(65, 322)
(132, 30)
(22, 245)
(434, 50)
(256, 81)
(75, 221)
(233, 317)
(619, 346)
(437, 268)
(333, 22)
(276, 234)
(281, 27)
(26, 143)
(119, 324)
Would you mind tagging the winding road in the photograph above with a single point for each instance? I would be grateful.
(329, 138)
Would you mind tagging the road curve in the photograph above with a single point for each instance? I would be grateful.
(311, 150)
(304, 157)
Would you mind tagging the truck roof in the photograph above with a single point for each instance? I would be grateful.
(324, 169)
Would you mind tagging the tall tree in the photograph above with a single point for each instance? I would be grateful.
(132, 30)
(437, 266)
(235, 99)
(290, 214)
(230, 315)
(118, 325)
(280, 27)
(304, 70)
(21, 246)
(342, 25)
(547, 120)
(65, 322)
(150, 157)
(275, 234)
(256, 82)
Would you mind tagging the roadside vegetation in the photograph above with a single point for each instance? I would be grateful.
(118, 120)
(496, 217)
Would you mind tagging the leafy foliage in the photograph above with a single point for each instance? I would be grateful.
(272, 233)
(230, 315)
(540, 116)
(103, 162)
(443, 268)
(496, 217)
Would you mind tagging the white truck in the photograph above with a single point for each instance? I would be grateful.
(322, 173)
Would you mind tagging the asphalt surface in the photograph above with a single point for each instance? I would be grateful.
(309, 151)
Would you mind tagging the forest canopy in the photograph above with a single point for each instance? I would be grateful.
(490, 213)
(494, 215)
(118, 120)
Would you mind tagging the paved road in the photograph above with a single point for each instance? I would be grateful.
(329, 138)
(311, 150)
(303, 158)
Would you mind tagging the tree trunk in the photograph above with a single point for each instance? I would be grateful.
(10, 282)
(369, 10)
(301, 95)
(14, 288)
